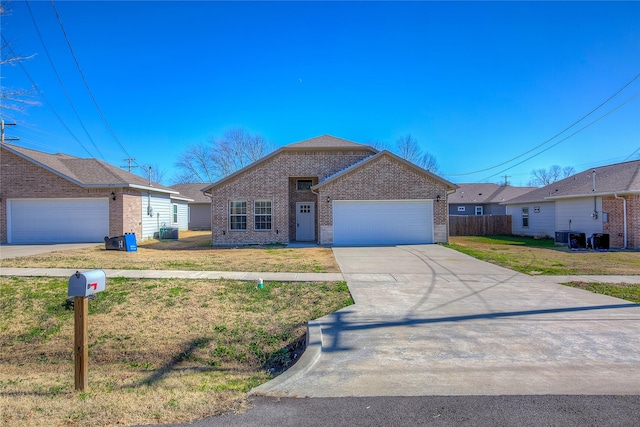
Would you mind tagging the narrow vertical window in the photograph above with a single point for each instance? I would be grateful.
(262, 215)
(525, 217)
(175, 214)
(479, 210)
(237, 215)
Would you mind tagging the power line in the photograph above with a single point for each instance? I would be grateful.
(564, 139)
(46, 101)
(104, 119)
(555, 136)
(64, 89)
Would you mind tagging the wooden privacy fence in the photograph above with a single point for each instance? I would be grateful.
(479, 225)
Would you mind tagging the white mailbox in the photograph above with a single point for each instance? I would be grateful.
(87, 283)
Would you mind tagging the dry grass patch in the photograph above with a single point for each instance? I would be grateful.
(192, 252)
(160, 351)
(542, 256)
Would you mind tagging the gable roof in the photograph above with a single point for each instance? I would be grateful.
(362, 163)
(320, 143)
(325, 141)
(486, 193)
(193, 191)
(86, 173)
(618, 178)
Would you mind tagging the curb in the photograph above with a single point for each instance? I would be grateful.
(312, 352)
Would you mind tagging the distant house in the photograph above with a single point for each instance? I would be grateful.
(199, 217)
(330, 191)
(57, 198)
(483, 199)
(605, 200)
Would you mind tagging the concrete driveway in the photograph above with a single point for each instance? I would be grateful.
(431, 321)
(14, 251)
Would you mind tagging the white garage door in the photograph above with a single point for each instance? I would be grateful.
(57, 220)
(382, 222)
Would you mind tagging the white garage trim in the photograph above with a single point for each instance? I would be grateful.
(382, 222)
(57, 220)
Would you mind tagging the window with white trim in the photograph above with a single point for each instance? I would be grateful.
(175, 213)
(461, 209)
(525, 217)
(262, 215)
(479, 210)
(237, 215)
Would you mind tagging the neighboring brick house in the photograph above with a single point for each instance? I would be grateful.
(199, 216)
(605, 200)
(55, 198)
(330, 191)
(483, 198)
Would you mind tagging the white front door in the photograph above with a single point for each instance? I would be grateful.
(305, 221)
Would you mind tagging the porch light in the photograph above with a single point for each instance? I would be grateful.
(438, 198)
(328, 199)
(113, 195)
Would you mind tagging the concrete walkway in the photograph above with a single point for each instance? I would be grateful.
(432, 321)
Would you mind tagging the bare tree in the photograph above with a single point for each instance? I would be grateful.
(208, 162)
(409, 149)
(542, 177)
(196, 165)
(13, 99)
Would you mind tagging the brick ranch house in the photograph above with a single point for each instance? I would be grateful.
(57, 198)
(604, 199)
(330, 191)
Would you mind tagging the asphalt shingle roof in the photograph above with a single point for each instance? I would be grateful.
(85, 172)
(326, 141)
(193, 191)
(486, 193)
(610, 179)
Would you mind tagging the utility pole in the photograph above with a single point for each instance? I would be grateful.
(129, 164)
(2, 125)
(506, 180)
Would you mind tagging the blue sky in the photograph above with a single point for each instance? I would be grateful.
(476, 83)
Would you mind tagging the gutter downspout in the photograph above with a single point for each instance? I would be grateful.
(624, 219)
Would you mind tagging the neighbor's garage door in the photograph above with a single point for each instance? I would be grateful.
(382, 222)
(58, 220)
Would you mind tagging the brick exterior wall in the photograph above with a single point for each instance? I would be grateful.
(275, 179)
(384, 179)
(270, 179)
(615, 226)
(22, 179)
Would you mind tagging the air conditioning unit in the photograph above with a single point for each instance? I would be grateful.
(600, 241)
(577, 241)
(562, 237)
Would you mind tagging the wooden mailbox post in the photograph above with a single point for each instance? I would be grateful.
(81, 286)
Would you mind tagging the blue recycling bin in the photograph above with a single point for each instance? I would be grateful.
(130, 242)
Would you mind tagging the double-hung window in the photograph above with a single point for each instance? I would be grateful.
(237, 215)
(175, 213)
(525, 217)
(262, 215)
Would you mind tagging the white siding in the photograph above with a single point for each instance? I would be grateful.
(162, 213)
(541, 221)
(200, 216)
(575, 215)
(183, 215)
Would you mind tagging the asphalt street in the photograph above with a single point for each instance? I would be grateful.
(441, 411)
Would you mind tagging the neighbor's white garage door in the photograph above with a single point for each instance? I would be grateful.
(382, 222)
(57, 220)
